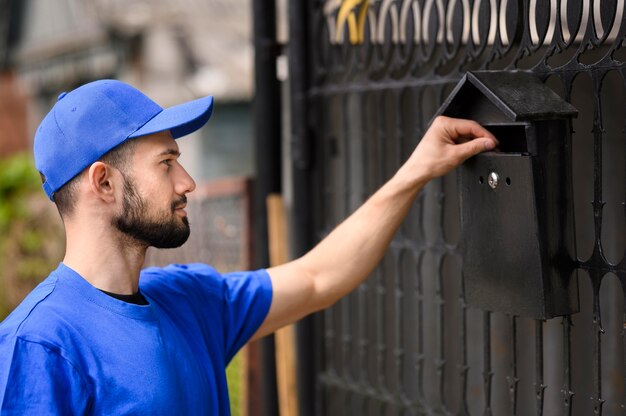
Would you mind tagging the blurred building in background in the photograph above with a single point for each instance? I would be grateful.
(174, 51)
(13, 131)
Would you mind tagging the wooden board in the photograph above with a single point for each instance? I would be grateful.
(285, 337)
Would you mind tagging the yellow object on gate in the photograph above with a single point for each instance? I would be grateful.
(347, 14)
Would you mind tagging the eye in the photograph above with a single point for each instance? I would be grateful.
(167, 162)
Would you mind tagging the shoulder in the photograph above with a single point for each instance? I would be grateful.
(35, 332)
(202, 278)
(55, 314)
(179, 270)
(31, 310)
(181, 277)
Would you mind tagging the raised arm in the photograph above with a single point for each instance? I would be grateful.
(341, 261)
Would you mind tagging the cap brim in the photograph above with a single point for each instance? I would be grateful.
(180, 120)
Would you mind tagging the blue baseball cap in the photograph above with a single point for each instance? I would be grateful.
(91, 120)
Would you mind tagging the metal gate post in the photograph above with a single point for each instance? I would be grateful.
(301, 218)
(267, 122)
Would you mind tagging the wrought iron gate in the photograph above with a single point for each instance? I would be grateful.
(405, 342)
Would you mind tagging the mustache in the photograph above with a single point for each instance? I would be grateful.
(179, 203)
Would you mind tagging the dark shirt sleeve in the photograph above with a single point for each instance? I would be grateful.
(39, 381)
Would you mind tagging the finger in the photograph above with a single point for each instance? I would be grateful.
(461, 128)
(475, 146)
(488, 142)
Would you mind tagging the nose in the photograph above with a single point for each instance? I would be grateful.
(184, 182)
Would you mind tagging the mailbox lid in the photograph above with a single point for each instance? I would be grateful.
(502, 264)
(521, 95)
(505, 96)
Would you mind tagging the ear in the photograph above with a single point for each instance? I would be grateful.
(101, 179)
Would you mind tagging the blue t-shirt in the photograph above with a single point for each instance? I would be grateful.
(71, 349)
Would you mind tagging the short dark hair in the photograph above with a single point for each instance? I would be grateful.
(118, 157)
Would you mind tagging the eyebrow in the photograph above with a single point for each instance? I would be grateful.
(172, 152)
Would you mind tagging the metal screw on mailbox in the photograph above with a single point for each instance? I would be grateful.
(493, 180)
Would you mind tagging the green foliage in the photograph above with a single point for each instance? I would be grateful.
(31, 235)
(18, 178)
(236, 384)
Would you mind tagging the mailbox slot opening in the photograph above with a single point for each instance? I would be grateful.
(512, 138)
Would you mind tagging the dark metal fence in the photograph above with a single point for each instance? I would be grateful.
(405, 342)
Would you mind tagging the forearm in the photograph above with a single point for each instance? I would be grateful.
(343, 259)
(350, 253)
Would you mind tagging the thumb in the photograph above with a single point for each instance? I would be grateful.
(476, 146)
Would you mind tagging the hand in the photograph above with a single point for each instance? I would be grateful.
(447, 143)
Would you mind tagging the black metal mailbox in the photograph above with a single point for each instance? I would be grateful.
(517, 217)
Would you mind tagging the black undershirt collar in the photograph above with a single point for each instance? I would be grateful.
(135, 298)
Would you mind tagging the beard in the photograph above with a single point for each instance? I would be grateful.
(162, 230)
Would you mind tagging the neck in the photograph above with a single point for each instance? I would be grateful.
(104, 257)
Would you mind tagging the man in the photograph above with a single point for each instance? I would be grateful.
(100, 335)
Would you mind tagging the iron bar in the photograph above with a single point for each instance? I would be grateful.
(566, 391)
(419, 353)
(347, 338)
(267, 128)
(487, 373)
(464, 366)
(540, 387)
(301, 213)
(512, 378)
(597, 348)
(440, 360)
